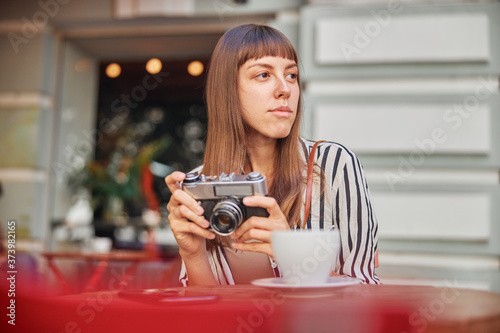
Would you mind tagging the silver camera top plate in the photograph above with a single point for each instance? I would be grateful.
(216, 187)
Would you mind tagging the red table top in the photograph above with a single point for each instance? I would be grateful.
(111, 256)
(247, 308)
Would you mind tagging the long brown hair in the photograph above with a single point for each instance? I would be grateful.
(226, 136)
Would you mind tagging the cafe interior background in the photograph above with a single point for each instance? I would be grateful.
(101, 99)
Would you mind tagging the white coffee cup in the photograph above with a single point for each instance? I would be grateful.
(306, 257)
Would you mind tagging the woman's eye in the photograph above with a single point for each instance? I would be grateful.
(292, 76)
(263, 75)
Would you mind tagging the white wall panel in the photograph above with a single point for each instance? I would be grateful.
(433, 216)
(424, 176)
(400, 128)
(453, 261)
(424, 86)
(410, 38)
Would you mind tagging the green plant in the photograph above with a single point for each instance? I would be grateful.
(119, 176)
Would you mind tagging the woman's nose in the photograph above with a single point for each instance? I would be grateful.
(282, 89)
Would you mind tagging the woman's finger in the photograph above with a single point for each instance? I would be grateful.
(268, 203)
(265, 223)
(254, 247)
(191, 216)
(173, 180)
(252, 223)
(257, 234)
(182, 228)
(182, 199)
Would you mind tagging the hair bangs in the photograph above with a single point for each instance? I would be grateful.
(262, 41)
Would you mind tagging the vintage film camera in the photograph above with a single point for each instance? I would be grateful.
(221, 198)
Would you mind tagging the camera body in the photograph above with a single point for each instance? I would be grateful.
(222, 198)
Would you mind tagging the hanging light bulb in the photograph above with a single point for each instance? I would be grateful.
(195, 68)
(153, 66)
(113, 70)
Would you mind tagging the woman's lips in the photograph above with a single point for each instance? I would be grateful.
(282, 112)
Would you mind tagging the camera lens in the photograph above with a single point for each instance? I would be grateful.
(224, 221)
(226, 217)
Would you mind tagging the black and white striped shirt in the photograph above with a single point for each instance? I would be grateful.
(344, 205)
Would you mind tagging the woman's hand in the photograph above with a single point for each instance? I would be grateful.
(260, 228)
(186, 219)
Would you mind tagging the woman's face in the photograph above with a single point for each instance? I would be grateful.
(269, 95)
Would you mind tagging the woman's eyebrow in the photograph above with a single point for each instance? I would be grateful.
(265, 65)
(260, 64)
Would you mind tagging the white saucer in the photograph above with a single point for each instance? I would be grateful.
(317, 290)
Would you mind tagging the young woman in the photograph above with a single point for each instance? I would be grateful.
(254, 111)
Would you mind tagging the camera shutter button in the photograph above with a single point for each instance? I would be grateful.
(192, 177)
(254, 175)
